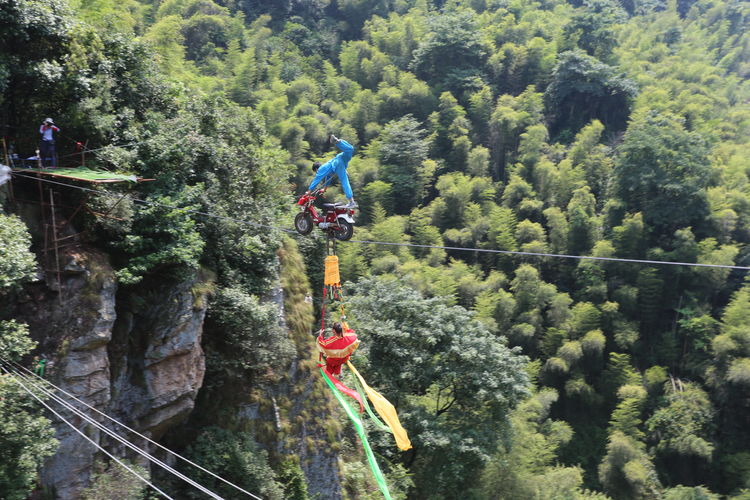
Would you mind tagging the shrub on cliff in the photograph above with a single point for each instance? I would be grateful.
(26, 437)
(237, 457)
(245, 336)
(116, 482)
(16, 261)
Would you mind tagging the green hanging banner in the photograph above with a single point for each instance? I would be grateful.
(359, 427)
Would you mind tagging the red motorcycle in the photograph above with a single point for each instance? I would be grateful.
(336, 219)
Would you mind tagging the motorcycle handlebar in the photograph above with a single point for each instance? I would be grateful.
(313, 194)
(307, 198)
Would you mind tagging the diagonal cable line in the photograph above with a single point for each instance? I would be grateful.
(165, 205)
(411, 245)
(555, 255)
(115, 421)
(121, 440)
(110, 146)
(15, 379)
(126, 145)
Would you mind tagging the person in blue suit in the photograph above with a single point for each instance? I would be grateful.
(325, 172)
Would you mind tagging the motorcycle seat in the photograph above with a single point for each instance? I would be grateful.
(331, 206)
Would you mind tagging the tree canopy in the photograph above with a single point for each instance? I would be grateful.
(596, 128)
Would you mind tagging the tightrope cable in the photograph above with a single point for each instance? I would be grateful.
(15, 379)
(115, 421)
(122, 440)
(164, 205)
(110, 146)
(554, 255)
(410, 245)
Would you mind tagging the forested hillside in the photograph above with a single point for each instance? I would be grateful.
(588, 128)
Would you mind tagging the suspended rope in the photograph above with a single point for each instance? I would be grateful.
(118, 438)
(31, 374)
(84, 436)
(408, 245)
(337, 350)
(117, 422)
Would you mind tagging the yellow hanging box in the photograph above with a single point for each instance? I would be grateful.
(332, 270)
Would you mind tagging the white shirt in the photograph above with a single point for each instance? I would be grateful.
(47, 132)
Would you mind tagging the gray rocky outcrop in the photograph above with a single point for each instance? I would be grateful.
(81, 320)
(165, 374)
(138, 360)
(135, 353)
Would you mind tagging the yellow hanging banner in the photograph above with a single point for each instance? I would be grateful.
(332, 270)
(386, 410)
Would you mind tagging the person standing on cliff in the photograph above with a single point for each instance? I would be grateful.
(338, 348)
(337, 166)
(47, 143)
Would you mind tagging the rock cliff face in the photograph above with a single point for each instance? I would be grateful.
(157, 359)
(133, 354)
(280, 408)
(319, 464)
(74, 330)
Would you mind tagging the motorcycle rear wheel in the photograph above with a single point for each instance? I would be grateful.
(344, 231)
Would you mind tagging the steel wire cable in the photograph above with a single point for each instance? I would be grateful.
(122, 440)
(115, 421)
(410, 245)
(164, 205)
(126, 145)
(109, 146)
(15, 379)
(555, 255)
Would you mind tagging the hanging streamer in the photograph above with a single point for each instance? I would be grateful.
(341, 387)
(386, 410)
(359, 427)
(337, 351)
(378, 423)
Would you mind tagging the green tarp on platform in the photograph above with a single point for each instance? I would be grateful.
(81, 173)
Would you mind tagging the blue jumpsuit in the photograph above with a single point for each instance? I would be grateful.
(338, 166)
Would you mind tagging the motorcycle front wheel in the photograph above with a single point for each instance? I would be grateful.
(344, 231)
(303, 223)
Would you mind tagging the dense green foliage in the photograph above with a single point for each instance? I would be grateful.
(16, 261)
(585, 127)
(235, 454)
(26, 437)
(526, 468)
(250, 341)
(116, 482)
(452, 380)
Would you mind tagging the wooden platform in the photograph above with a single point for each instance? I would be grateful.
(82, 174)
